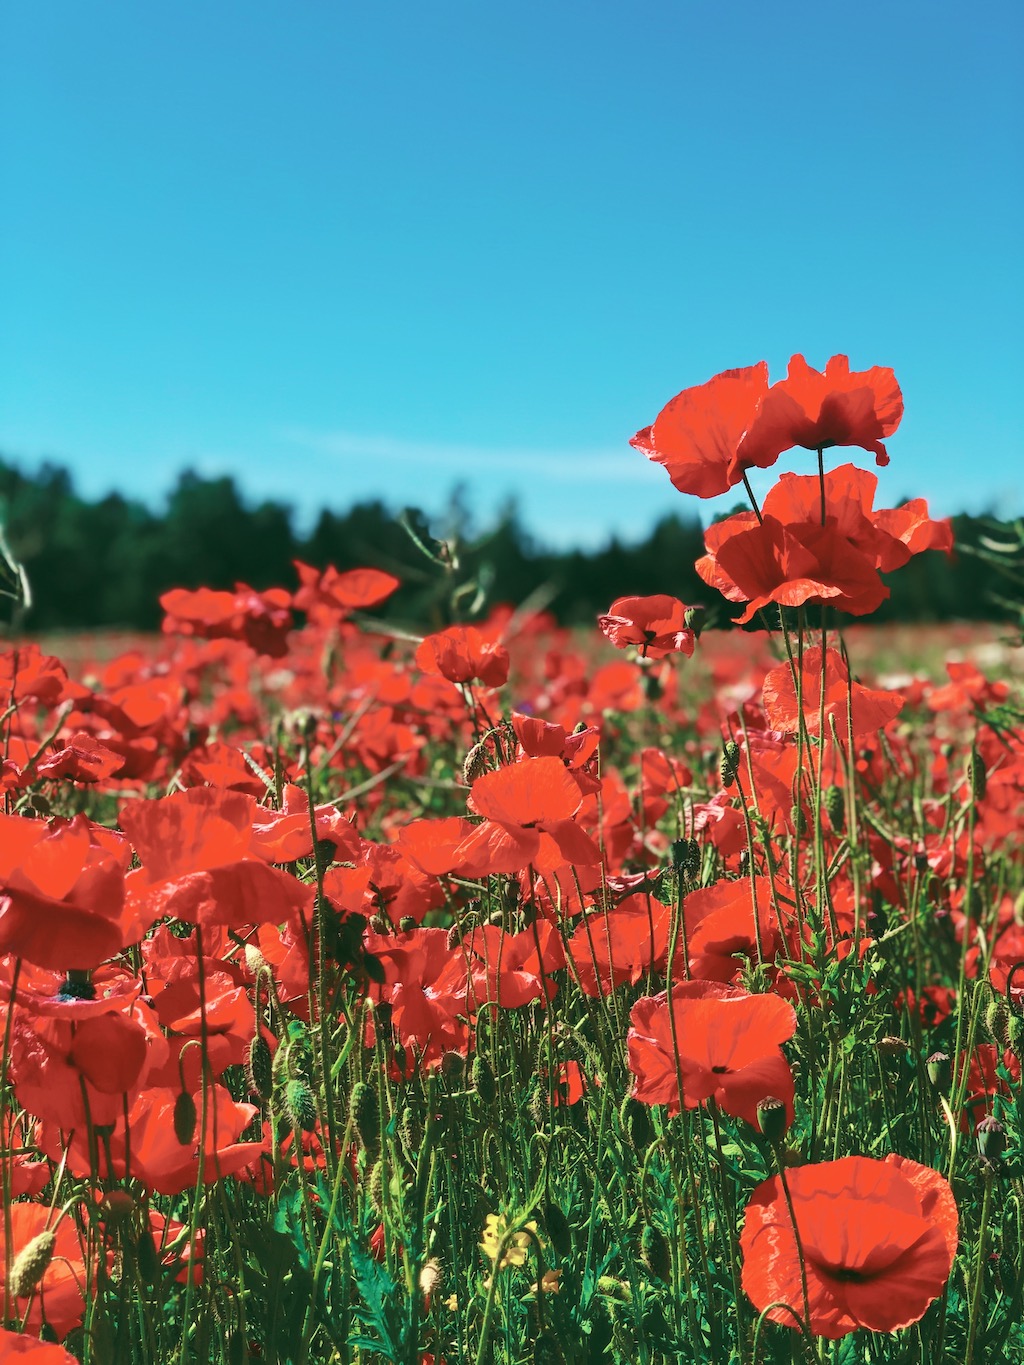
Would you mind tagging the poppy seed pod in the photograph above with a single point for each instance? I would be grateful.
(991, 1136)
(940, 1071)
(31, 1264)
(771, 1118)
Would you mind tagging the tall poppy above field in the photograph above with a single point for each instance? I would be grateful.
(709, 435)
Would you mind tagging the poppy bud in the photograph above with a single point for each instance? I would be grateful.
(301, 1105)
(374, 969)
(835, 807)
(364, 1111)
(771, 1118)
(185, 1119)
(558, 1229)
(636, 1121)
(117, 1206)
(453, 1066)
(686, 856)
(31, 1264)
(254, 960)
(539, 1105)
(653, 689)
(483, 1079)
(655, 1254)
(145, 1250)
(1015, 1033)
(729, 764)
(991, 1137)
(997, 1021)
(693, 619)
(323, 852)
(475, 764)
(798, 820)
(940, 1071)
(410, 1129)
(376, 1188)
(976, 775)
(261, 1068)
(546, 1350)
(406, 923)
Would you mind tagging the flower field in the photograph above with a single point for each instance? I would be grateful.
(491, 992)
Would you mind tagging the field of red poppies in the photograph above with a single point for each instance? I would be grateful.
(506, 994)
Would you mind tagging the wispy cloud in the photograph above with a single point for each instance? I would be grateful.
(471, 461)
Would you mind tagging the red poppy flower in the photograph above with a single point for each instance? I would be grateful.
(696, 435)
(721, 931)
(58, 1297)
(878, 1239)
(655, 625)
(462, 654)
(528, 809)
(621, 944)
(426, 1001)
(815, 410)
(507, 969)
(202, 863)
(335, 595)
(262, 620)
(62, 893)
(729, 1049)
(82, 758)
(792, 556)
(871, 711)
(20, 1349)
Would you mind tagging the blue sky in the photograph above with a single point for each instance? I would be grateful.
(353, 250)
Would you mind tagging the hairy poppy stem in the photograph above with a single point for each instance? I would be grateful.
(979, 1268)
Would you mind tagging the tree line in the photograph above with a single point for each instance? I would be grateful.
(103, 563)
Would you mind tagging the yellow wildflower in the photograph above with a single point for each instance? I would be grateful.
(516, 1247)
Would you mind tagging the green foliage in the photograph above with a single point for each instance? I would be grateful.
(105, 563)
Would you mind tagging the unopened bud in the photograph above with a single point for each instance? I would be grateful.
(261, 1068)
(976, 775)
(835, 807)
(364, 1110)
(483, 1079)
(31, 1264)
(729, 764)
(997, 1021)
(185, 1119)
(475, 764)
(301, 1106)
(655, 1254)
